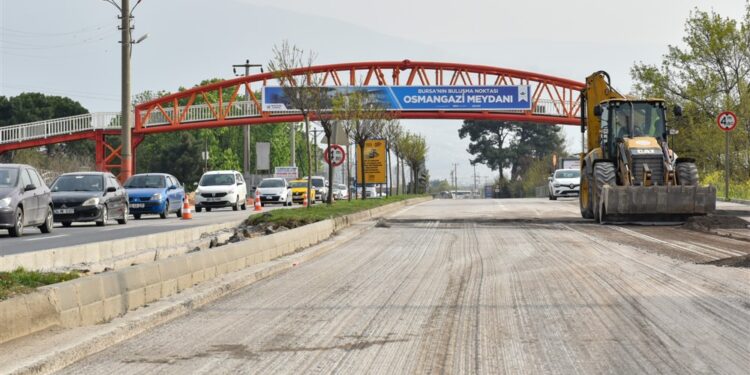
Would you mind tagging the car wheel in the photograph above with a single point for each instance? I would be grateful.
(49, 222)
(198, 208)
(244, 205)
(165, 212)
(105, 215)
(67, 224)
(236, 206)
(17, 229)
(208, 209)
(137, 216)
(124, 219)
(552, 198)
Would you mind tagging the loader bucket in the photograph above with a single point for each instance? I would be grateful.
(655, 203)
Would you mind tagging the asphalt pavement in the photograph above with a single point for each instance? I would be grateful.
(83, 233)
(476, 287)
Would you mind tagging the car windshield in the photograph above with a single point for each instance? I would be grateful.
(217, 179)
(340, 187)
(79, 182)
(275, 183)
(567, 174)
(298, 184)
(318, 182)
(8, 177)
(145, 181)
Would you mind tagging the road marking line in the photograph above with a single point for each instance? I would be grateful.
(44, 238)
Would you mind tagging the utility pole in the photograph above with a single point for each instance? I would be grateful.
(475, 181)
(315, 150)
(292, 141)
(246, 128)
(455, 177)
(126, 155)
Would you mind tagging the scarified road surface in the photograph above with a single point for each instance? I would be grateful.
(480, 287)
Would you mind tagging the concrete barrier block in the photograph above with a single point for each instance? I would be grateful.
(114, 303)
(134, 285)
(152, 280)
(90, 298)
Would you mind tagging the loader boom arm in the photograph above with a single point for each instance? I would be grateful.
(597, 90)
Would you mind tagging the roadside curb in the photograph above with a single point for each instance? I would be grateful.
(119, 296)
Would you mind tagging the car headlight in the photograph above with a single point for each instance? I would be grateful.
(5, 202)
(91, 202)
(156, 197)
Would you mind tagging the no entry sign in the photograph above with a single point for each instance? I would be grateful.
(334, 155)
(727, 121)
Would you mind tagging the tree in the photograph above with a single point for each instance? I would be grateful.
(415, 154)
(709, 73)
(489, 142)
(391, 133)
(533, 142)
(363, 118)
(304, 96)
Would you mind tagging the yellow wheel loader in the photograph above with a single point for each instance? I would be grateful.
(628, 172)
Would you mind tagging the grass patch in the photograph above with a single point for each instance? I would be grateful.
(322, 211)
(21, 281)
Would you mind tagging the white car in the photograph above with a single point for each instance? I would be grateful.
(340, 191)
(564, 183)
(321, 187)
(218, 189)
(274, 190)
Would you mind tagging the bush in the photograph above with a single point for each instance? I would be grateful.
(737, 189)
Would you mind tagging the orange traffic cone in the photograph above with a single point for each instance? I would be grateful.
(258, 205)
(304, 199)
(186, 213)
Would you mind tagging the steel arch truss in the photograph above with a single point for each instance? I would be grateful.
(554, 100)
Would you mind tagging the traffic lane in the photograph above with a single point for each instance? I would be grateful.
(83, 233)
(462, 297)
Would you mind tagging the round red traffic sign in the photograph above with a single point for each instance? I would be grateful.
(727, 121)
(334, 155)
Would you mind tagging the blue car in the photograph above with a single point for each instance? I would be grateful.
(155, 193)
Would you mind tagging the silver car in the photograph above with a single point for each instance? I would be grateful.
(564, 183)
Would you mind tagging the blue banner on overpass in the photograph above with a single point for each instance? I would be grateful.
(421, 98)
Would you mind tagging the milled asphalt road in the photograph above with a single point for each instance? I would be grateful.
(83, 233)
(514, 286)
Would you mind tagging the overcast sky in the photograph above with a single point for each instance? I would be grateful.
(70, 47)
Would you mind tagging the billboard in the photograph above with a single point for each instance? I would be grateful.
(262, 156)
(421, 98)
(375, 162)
(289, 173)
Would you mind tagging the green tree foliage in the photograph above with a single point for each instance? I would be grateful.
(32, 106)
(707, 74)
(501, 145)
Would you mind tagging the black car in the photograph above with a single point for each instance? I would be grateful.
(89, 196)
(24, 199)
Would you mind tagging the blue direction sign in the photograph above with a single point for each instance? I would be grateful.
(422, 98)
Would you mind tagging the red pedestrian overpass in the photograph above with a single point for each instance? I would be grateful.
(553, 100)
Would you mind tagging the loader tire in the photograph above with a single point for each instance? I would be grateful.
(585, 198)
(687, 174)
(604, 174)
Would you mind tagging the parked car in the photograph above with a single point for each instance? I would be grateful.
(218, 189)
(89, 196)
(340, 191)
(155, 193)
(321, 187)
(564, 183)
(299, 187)
(274, 190)
(24, 200)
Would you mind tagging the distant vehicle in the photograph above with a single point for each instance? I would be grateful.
(462, 194)
(564, 183)
(321, 187)
(155, 193)
(299, 188)
(274, 190)
(340, 191)
(89, 196)
(370, 191)
(218, 189)
(25, 200)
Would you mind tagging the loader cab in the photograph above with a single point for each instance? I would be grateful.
(622, 119)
